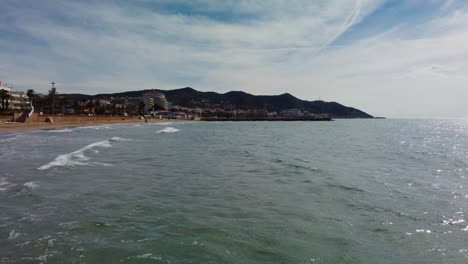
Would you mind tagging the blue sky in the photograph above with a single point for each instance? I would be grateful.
(395, 58)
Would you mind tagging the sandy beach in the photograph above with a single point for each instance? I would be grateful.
(11, 127)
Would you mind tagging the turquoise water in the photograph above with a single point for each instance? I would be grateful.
(348, 191)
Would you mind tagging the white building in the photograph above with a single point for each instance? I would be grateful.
(152, 99)
(18, 101)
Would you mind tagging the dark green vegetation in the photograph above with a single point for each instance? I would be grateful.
(191, 98)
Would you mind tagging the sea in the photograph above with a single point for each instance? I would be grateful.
(346, 191)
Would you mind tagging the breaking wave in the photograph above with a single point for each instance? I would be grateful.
(160, 124)
(5, 184)
(31, 185)
(168, 130)
(101, 127)
(78, 157)
(13, 234)
(66, 130)
(9, 139)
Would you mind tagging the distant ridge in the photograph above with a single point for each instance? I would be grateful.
(189, 97)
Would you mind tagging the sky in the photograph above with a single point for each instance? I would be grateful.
(394, 58)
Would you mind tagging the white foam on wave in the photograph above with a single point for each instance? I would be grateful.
(31, 185)
(7, 139)
(119, 139)
(66, 130)
(101, 127)
(161, 124)
(145, 256)
(78, 158)
(3, 181)
(453, 222)
(423, 231)
(103, 164)
(5, 184)
(13, 234)
(168, 130)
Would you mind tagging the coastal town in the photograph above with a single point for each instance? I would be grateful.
(32, 107)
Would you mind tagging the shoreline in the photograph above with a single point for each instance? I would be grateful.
(16, 127)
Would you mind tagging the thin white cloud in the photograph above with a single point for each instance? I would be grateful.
(110, 36)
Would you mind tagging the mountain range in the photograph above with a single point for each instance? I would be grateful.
(189, 97)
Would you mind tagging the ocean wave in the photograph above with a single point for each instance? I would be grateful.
(119, 139)
(3, 181)
(145, 256)
(9, 139)
(101, 127)
(31, 185)
(103, 164)
(168, 130)
(292, 165)
(345, 188)
(303, 160)
(66, 130)
(13, 234)
(423, 231)
(5, 184)
(78, 157)
(295, 166)
(161, 124)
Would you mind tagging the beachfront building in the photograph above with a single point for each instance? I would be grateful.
(163, 114)
(18, 100)
(155, 101)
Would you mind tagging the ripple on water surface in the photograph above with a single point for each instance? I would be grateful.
(349, 191)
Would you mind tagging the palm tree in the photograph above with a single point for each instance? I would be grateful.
(7, 100)
(3, 95)
(52, 94)
(31, 94)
